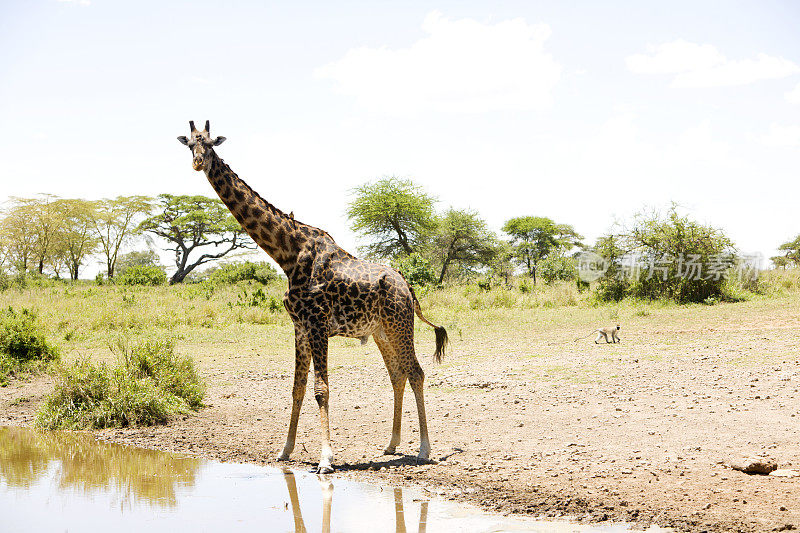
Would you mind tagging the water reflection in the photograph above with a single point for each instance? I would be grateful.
(62, 481)
(83, 464)
(327, 499)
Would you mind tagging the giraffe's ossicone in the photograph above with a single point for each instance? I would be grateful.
(330, 293)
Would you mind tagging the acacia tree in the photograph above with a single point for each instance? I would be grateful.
(534, 238)
(394, 213)
(3, 251)
(192, 223)
(115, 223)
(791, 251)
(502, 264)
(42, 222)
(75, 239)
(780, 262)
(462, 239)
(18, 234)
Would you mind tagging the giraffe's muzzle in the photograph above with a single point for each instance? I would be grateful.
(197, 164)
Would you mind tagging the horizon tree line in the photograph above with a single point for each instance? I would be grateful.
(396, 218)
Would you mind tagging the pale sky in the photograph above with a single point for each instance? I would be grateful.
(585, 112)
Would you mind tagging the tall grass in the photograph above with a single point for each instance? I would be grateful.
(147, 386)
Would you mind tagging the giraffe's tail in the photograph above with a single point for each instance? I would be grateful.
(441, 333)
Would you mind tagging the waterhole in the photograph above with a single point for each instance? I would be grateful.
(70, 482)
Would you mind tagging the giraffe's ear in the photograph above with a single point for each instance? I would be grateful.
(218, 141)
(183, 140)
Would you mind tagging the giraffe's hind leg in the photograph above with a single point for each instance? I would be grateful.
(402, 340)
(417, 378)
(398, 379)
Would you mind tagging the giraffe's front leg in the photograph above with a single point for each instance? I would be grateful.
(319, 349)
(301, 363)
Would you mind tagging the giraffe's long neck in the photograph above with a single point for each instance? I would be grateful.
(270, 228)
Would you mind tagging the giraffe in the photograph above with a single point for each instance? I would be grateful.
(330, 293)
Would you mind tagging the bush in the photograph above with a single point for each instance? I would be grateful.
(556, 267)
(147, 386)
(669, 258)
(136, 258)
(143, 275)
(258, 298)
(23, 346)
(231, 273)
(416, 269)
(157, 360)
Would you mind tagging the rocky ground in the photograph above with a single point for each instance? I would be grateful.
(644, 431)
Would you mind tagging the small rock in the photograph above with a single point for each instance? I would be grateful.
(783, 472)
(755, 465)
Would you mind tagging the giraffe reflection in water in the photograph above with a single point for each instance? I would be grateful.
(327, 498)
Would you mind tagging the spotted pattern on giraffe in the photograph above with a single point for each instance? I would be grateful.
(331, 293)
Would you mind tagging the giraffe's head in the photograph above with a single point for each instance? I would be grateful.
(201, 144)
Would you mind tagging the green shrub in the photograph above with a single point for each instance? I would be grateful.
(157, 360)
(417, 270)
(525, 286)
(23, 346)
(556, 267)
(136, 258)
(668, 258)
(231, 273)
(258, 298)
(143, 275)
(147, 386)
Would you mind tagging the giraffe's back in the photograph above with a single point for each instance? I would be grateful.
(362, 294)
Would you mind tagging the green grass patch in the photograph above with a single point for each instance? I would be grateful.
(23, 345)
(148, 385)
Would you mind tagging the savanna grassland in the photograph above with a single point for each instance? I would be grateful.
(523, 417)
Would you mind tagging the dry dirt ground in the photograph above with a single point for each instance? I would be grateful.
(525, 420)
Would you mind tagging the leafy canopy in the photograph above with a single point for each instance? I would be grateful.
(534, 238)
(463, 240)
(394, 214)
(196, 223)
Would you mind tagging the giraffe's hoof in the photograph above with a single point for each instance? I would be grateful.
(424, 453)
(282, 457)
(390, 450)
(323, 469)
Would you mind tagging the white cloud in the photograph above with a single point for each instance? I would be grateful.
(793, 96)
(782, 136)
(460, 66)
(702, 65)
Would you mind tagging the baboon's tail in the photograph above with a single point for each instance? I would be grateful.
(441, 333)
(589, 335)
